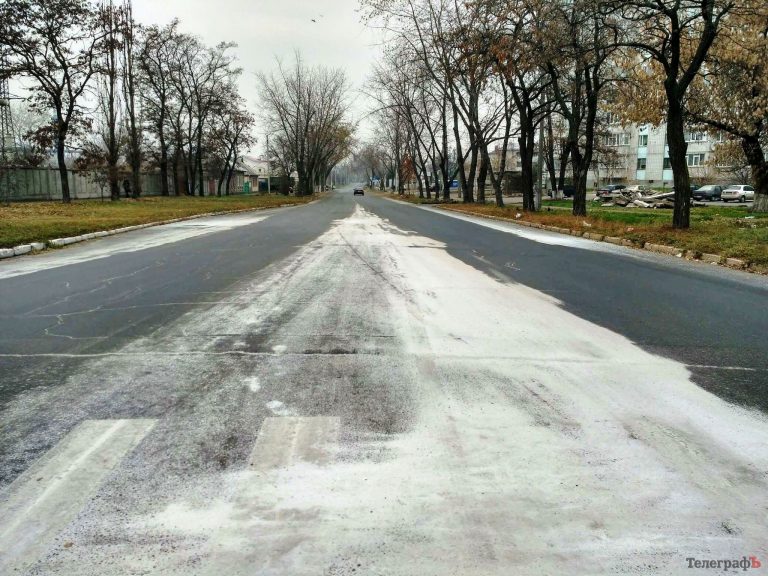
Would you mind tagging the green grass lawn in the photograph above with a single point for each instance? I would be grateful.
(22, 223)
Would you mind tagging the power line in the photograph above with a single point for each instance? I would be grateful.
(7, 140)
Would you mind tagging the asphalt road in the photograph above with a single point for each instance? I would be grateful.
(360, 386)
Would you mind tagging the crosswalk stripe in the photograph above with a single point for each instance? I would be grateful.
(48, 496)
(284, 441)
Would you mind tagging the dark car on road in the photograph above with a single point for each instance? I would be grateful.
(710, 192)
(359, 192)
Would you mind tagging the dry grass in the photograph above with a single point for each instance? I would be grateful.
(23, 223)
(729, 231)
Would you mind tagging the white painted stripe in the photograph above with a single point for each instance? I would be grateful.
(48, 496)
(284, 441)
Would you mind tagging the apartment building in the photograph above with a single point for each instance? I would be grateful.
(638, 154)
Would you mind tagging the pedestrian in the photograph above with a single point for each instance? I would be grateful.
(127, 188)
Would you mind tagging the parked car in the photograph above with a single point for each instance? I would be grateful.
(694, 187)
(710, 192)
(568, 191)
(739, 193)
(609, 190)
(359, 192)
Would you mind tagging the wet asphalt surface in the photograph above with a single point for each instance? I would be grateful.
(211, 335)
(713, 320)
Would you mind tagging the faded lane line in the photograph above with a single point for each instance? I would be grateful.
(48, 496)
(244, 353)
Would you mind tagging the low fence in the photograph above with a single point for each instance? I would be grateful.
(22, 184)
(29, 184)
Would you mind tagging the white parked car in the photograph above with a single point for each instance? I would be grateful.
(738, 192)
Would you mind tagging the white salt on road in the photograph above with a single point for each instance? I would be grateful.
(419, 417)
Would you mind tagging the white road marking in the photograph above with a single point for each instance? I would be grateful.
(286, 441)
(48, 496)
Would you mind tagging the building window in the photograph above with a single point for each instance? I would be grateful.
(612, 118)
(642, 140)
(641, 163)
(696, 159)
(667, 164)
(695, 137)
(613, 140)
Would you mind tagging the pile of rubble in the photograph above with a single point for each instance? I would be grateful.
(641, 198)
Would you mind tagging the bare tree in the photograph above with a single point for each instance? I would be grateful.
(154, 58)
(57, 43)
(132, 104)
(305, 112)
(675, 37)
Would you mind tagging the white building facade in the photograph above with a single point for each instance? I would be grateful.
(638, 154)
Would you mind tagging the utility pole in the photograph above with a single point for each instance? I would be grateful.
(7, 141)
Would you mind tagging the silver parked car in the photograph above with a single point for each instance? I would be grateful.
(738, 192)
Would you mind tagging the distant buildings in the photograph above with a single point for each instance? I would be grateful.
(638, 154)
(255, 172)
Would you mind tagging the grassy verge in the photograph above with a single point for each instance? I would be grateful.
(23, 223)
(732, 232)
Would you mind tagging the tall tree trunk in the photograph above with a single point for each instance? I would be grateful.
(550, 156)
(756, 158)
(230, 171)
(199, 165)
(482, 176)
(468, 187)
(495, 182)
(62, 162)
(579, 183)
(460, 154)
(582, 162)
(678, 159)
(564, 158)
(527, 145)
(164, 190)
(176, 177)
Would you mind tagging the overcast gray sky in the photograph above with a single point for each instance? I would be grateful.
(265, 29)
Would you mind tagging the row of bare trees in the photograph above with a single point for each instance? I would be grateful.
(462, 84)
(125, 98)
(305, 111)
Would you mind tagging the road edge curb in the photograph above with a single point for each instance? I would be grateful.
(689, 255)
(37, 247)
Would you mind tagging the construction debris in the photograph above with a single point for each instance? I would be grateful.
(636, 198)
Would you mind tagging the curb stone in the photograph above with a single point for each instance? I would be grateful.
(662, 249)
(734, 263)
(61, 242)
